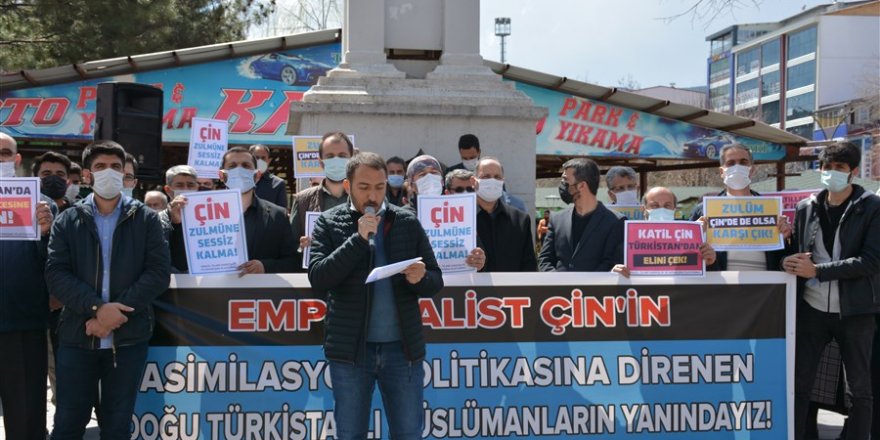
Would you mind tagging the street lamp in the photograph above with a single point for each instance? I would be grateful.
(502, 29)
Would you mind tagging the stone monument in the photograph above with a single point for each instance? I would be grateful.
(412, 79)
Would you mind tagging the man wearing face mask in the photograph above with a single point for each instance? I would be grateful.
(469, 151)
(75, 186)
(129, 178)
(107, 262)
(623, 186)
(179, 181)
(505, 233)
(270, 244)
(270, 187)
(52, 169)
(396, 175)
(659, 204)
(588, 237)
(335, 151)
(837, 262)
(737, 169)
(24, 308)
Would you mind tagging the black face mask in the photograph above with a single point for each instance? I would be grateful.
(566, 196)
(53, 187)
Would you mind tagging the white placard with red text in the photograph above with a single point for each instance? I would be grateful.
(214, 232)
(451, 224)
(208, 141)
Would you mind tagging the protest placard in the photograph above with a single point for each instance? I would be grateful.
(743, 223)
(790, 200)
(208, 141)
(214, 232)
(663, 248)
(311, 218)
(306, 158)
(17, 204)
(451, 224)
(631, 212)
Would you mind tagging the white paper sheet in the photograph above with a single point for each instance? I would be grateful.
(391, 269)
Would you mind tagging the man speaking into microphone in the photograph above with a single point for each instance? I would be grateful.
(373, 332)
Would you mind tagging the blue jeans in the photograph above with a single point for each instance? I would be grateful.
(78, 373)
(400, 383)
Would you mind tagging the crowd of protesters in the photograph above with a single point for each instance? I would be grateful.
(80, 297)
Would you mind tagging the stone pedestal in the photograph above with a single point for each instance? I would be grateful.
(397, 107)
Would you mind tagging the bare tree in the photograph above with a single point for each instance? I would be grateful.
(628, 82)
(706, 11)
(297, 16)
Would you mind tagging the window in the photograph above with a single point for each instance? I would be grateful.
(770, 83)
(719, 70)
(801, 75)
(770, 112)
(802, 43)
(800, 106)
(804, 131)
(748, 61)
(722, 44)
(747, 91)
(719, 98)
(770, 53)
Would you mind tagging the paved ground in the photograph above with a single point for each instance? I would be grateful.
(830, 424)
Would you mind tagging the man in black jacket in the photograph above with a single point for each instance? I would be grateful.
(505, 233)
(270, 244)
(24, 309)
(108, 261)
(270, 187)
(588, 237)
(838, 268)
(737, 168)
(373, 332)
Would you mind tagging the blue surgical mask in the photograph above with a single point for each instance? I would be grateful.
(334, 169)
(395, 180)
(834, 181)
(660, 215)
(240, 178)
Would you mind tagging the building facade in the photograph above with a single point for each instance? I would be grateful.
(782, 73)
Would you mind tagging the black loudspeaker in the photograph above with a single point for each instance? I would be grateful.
(131, 114)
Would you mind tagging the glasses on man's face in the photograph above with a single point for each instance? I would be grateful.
(128, 178)
(461, 189)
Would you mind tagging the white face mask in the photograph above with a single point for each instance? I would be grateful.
(470, 164)
(660, 215)
(107, 183)
(630, 197)
(262, 165)
(128, 192)
(72, 192)
(429, 185)
(490, 190)
(240, 178)
(737, 177)
(7, 169)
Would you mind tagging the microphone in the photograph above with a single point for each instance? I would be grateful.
(369, 210)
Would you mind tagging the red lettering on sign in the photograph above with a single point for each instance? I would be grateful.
(280, 116)
(266, 315)
(310, 310)
(168, 119)
(447, 214)
(18, 106)
(86, 94)
(51, 111)
(234, 105)
(87, 120)
(270, 317)
(568, 105)
(241, 316)
(211, 211)
(186, 118)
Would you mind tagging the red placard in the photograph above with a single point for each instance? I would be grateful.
(664, 248)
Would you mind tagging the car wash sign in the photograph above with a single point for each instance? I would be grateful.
(252, 93)
(583, 127)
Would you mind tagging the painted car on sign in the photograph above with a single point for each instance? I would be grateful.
(289, 69)
(706, 146)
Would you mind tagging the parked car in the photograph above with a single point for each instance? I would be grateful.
(289, 69)
(706, 146)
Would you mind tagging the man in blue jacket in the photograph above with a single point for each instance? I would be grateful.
(373, 332)
(24, 310)
(108, 260)
(838, 267)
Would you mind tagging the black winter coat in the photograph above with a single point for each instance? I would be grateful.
(340, 263)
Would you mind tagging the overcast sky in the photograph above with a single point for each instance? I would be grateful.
(604, 41)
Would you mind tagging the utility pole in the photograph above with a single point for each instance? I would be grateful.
(502, 29)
